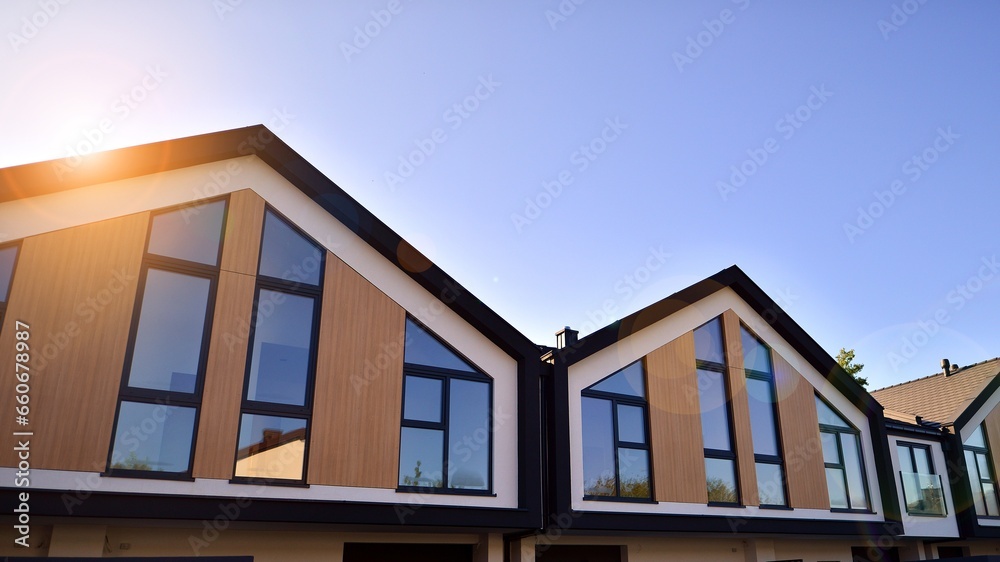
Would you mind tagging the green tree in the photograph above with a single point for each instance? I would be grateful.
(846, 361)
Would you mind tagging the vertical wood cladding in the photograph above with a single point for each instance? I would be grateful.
(76, 289)
(675, 423)
(244, 225)
(358, 396)
(224, 372)
(741, 408)
(803, 452)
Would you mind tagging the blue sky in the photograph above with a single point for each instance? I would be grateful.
(572, 162)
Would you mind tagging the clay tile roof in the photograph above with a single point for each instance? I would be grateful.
(939, 398)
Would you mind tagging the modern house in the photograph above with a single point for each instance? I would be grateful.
(212, 351)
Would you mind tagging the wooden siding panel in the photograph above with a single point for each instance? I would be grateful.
(675, 423)
(800, 440)
(740, 408)
(218, 424)
(76, 289)
(992, 423)
(244, 225)
(359, 383)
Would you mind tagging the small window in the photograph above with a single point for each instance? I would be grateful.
(8, 257)
(616, 438)
(981, 474)
(845, 477)
(762, 400)
(922, 489)
(277, 397)
(161, 387)
(716, 419)
(446, 430)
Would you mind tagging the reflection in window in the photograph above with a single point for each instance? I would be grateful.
(446, 434)
(923, 493)
(277, 402)
(615, 439)
(768, 462)
(271, 447)
(8, 256)
(845, 479)
(713, 399)
(981, 475)
(165, 359)
(153, 438)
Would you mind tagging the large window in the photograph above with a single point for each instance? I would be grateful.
(446, 434)
(716, 425)
(616, 437)
(168, 344)
(8, 257)
(922, 489)
(981, 474)
(763, 420)
(277, 396)
(845, 476)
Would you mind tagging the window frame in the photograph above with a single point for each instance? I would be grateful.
(615, 399)
(985, 451)
(168, 398)
(10, 283)
(445, 375)
(776, 460)
(836, 431)
(275, 409)
(911, 448)
(719, 453)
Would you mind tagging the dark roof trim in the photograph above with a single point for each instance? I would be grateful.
(977, 403)
(903, 429)
(734, 278)
(42, 178)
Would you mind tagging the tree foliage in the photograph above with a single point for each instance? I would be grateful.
(845, 358)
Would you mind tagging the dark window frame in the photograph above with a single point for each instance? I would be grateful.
(836, 431)
(274, 409)
(777, 460)
(730, 426)
(168, 398)
(10, 283)
(985, 451)
(445, 375)
(615, 399)
(911, 449)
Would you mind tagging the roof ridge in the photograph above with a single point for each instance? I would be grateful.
(969, 366)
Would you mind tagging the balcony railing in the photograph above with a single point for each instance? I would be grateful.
(923, 494)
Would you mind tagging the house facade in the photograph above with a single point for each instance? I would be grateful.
(214, 352)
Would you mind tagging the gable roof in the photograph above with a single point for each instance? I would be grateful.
(733, 278)
(53, 176)
(940, 398)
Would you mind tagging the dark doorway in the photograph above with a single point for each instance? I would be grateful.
(952, 551)
(387, 552)
(578, 554)
(874, 554)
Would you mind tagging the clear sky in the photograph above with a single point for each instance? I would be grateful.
(843, 154)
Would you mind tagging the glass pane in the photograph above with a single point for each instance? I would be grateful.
(423, 399)
(421, 457)
(708, 344)
(835, 486)
(852, 462)
(271, 447)
(721, 479)
(469, 432)
(633, 469)
(756, 355)
(631, 424)
(192, 233)
(422, 348)
(598, 448)
(169, 337)
(983, 466)
(279, 367)
(828, 417)
(765, 437)
(628, 381)
(974, 482)
(286, 254)
(905, 462)
(976, 439)
(923, 461)
(153, 437)
(923, 494)
(714, 412)
(770, 484)
(7, 256)
(989, 492)
(831, 454)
